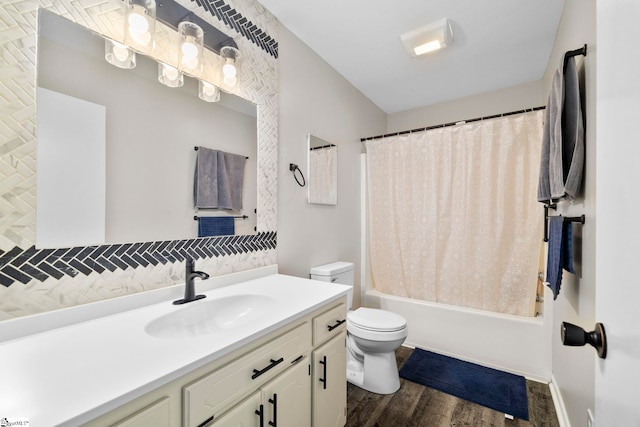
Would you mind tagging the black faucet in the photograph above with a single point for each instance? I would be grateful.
(190, 290)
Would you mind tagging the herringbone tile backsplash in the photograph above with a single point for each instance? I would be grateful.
(33, 280)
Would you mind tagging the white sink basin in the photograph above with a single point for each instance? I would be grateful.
(209, 316)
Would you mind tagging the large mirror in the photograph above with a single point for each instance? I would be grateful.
(323, 171)
(150, 132)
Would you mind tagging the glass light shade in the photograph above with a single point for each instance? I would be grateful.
(169, 76)
(190, 47)
(119, 55)
(208, 92)
(231, 56)
(139, 22)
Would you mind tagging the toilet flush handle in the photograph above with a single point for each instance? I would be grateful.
(334, 279)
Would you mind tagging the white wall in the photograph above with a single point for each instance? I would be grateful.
(573, 367)
(514, 98)
(315, 99)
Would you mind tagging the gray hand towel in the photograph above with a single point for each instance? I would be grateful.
(205, 185)
(562, 157)
(572, 133)
(230, 180)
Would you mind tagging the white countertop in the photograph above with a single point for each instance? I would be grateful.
(72, 374)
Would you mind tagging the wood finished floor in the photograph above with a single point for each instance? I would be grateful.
(417, 406)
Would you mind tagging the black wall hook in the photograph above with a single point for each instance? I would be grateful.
(573, 335)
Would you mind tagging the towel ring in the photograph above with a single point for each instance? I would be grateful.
(294, 168)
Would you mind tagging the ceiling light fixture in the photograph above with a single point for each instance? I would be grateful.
(428, 38)
(230, 68)
(169, 76)
(119, 55)
(208, 92)
(139, 22)
(190, 47)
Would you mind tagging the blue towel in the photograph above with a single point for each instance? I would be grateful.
(559, 252)
(567, 247)
(216, 226)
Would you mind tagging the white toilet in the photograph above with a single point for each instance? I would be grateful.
(373, 335)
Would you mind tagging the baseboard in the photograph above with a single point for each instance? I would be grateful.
(558, 402)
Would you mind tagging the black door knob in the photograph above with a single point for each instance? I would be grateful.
(573, 335)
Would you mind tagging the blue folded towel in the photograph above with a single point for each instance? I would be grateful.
(216, 226)
(559, 252)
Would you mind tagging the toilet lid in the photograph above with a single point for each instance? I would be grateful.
(376, 320)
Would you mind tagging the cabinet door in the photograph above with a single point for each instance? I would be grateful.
(330, 383)
(155, 415)
(287, 399)
(243, 415)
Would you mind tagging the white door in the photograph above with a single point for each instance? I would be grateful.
(617, 378)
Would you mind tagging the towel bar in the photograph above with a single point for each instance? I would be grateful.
(582, 51)
(581, 219)
(196, 149)
(239, 217)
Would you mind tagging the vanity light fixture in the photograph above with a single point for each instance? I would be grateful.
(139, 22)
(230, 68)
(429, 38)
(208, 92)
(190, 47)
(169, 76)
(119, 55)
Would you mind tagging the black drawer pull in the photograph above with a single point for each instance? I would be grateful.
(260, 413)
(257, 373)
(206, 422)
(338, 323)
(323, 380)
(274, 402)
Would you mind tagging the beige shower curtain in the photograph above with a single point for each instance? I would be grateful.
(453, 216)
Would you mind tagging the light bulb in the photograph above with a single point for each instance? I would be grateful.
(120, 51)
(190, 54)
(230, 81)
(229, 69)
(189, 49)
(208, 89)
(170, 72)
(427, 47)
(208, 92)
(138, 24)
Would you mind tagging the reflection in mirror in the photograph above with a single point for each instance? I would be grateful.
(146, 145)
(323, 171)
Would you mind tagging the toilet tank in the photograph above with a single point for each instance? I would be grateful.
(336, 272)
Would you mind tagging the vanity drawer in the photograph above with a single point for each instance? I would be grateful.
(206, 398)
(329, 324)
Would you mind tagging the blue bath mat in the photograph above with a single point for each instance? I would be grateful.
(488, 387)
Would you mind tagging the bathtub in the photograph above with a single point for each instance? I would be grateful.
(520, 345)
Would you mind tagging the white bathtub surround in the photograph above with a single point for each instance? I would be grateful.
(89, 368)
(452, 214)
(516, 344)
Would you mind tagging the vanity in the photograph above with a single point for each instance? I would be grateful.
(261, 349)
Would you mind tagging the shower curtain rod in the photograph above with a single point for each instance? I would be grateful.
(460, 122)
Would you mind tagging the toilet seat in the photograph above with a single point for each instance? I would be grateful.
(376, 325)
(373, 319)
